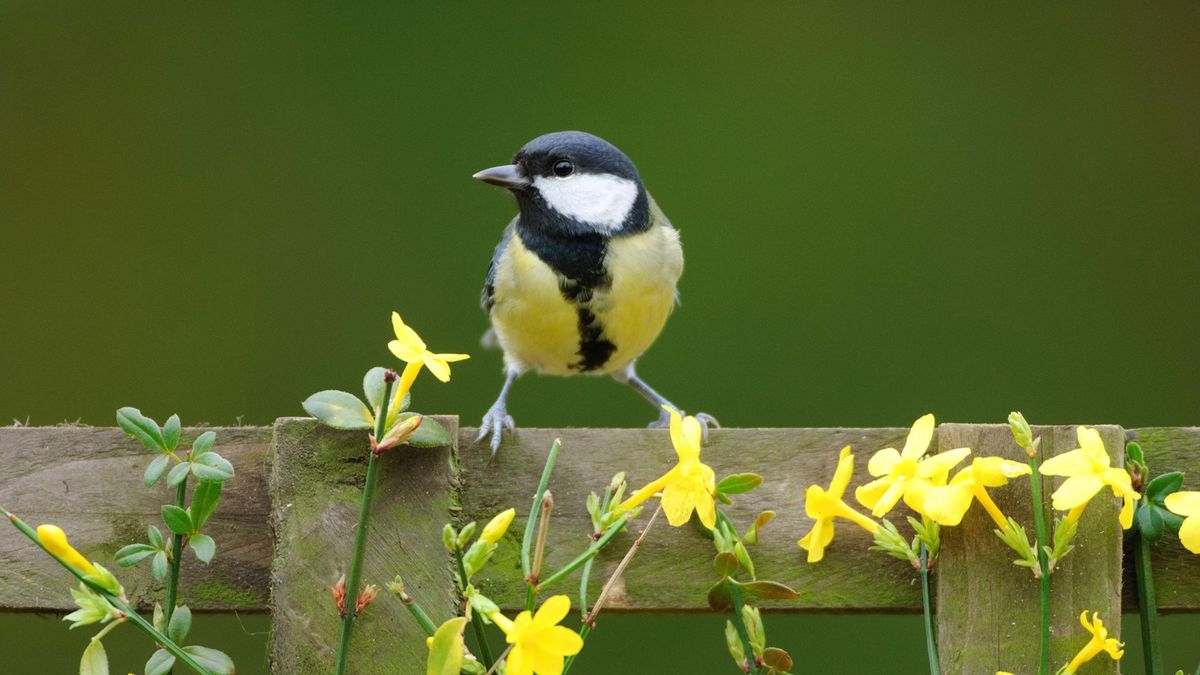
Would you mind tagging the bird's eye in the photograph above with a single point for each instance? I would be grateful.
(563, 168)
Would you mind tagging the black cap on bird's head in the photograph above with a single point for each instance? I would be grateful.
(573, 182)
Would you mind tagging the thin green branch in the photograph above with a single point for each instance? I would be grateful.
(1039, 524)
(531, 525)
(1147, 607)
(587, 555)
(476, 618)
(930, 642)
(735, 595)
(354, 576)
(176, 558)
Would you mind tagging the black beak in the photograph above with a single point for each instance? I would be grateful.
(506, 176)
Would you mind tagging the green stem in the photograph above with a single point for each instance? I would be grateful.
(353, 577)
(531, 526)
(419, 614)
(736, 596)
(130, 615)
(176, 558)
(587, 555)
(930, 644)
(1147, 608)
(1041, 537)
(476, 618)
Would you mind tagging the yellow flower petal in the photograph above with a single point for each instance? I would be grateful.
(941, 463)
(1184, 503)
(706, 511)
(678, 504)
(1075, 491)
(889, 498)
(439, 368)
(552, 611)
(948, 504)
(915, 490)
(517, 663)
(562, 640)
(843, 473)
(692, 434)
(918, 438)
(452, 358)
(1067, 464)
(882, 462)
(1126, 515)
(1092, 445)
(406, 336)
(817, 539)
(1189, 534)
(404, 352)
(869, 495)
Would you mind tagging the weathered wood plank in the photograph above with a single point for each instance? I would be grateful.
(1176, 570)
(673, 570)
(316, 487)
(89, 481)
(988, 608)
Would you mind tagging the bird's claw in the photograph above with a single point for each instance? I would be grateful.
(706, 421)
(495, 421)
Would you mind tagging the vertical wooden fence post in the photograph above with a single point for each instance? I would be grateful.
(315, 488)
(988, 608)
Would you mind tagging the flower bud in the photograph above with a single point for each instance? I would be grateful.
(734, 642)
(369, 592)
(449, 538)
(754, 626)
(495, 529)
(55, 541)
(1021, 431)
(465, 534)
(338, 591)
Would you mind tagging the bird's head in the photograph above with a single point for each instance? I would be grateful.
(571, 182)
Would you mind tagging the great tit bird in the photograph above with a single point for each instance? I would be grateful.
(584, 276)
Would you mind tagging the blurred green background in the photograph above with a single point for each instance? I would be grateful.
(211, 208)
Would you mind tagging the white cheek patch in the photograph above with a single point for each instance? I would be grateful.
(599, 199)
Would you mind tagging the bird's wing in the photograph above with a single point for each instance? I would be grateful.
(488, 297)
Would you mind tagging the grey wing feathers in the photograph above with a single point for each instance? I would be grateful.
(487, 298)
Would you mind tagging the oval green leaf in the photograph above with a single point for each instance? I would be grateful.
(212, 466)
(128, 556)
(203, 444)
(446, 650)
(431, 433)
(177, 519)
(181, 624)
(160, 662)
(211, 659)
(777, 659)
(158, 566)
(204, 502)
(146, 430)
(155, 470)
(739, 483)
(338, 409)
(1163, 485)
(170, 432)
(719, 598)
(178, 473)
(94, 661)
(725, 564)
(768, 590)
(204, 547)
(154, 537)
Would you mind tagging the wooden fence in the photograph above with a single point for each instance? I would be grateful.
(284, 529)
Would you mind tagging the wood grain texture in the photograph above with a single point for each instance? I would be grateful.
(89, 481)
(315, 488)
(673, 570)
(988, 608)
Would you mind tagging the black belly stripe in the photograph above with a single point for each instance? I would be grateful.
(594, 348)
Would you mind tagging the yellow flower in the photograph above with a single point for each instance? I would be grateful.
(825, 505)
(905, 474)
(947, 504)
(1087, 470)
(497, 526)
(1100, 642)
(1187, 504)
(55, 541)
(539, 644)
(689, 485)
(411, 349)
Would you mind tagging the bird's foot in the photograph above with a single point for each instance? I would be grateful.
(495, 421)
(706, 421)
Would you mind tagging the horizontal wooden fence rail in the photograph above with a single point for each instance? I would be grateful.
(285, 525)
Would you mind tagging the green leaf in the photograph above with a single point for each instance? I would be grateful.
(181, 623)
(158, 566)
(177, 519)
(431, 433)
(719, 598)
(141, 427)
(170, 433)
(743, 557)
(726, 564)
(1172, 521)
(1163, 485)
(178, 473)
(739, 483)
(446, 650)
(338, 409)
(128, 556)
(158, 618)
(211, 659)
(160, 662)
(374, 387)
(751, 536)
(1135, 452)
(1149, 522)
(154, 537)
(203, 444)
(204, 501)
(768, 590)
(204, 547)
(95, 660)
(155, 469)
(212, 466)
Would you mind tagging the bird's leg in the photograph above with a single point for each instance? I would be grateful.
(630, 377)
(497, 418)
